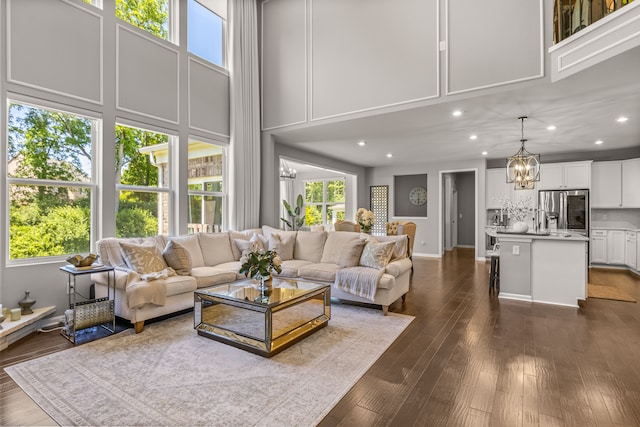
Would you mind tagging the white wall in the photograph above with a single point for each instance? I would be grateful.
(428, 230)
(74, 56)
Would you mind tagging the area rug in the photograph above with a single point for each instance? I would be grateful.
(169, 375)
(611, 292)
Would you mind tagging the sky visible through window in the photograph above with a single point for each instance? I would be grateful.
(205, 33)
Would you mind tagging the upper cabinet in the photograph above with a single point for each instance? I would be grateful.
(615, 184)
(630, 180)
(563, 176)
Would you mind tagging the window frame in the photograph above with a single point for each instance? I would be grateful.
(170, 180)
(224, 41)
(173, 23)
(224, 194)
(95, 216)
(324, 204)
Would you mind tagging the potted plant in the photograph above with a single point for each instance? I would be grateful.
(296, 214)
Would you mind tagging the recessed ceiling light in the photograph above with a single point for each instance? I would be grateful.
(598, 142)
(473, 137)
(389, 155)
(484, 153)
(622, 119)
(552, 127)
(457, 113)
(362, 143)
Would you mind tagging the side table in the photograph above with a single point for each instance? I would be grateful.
(92, 312)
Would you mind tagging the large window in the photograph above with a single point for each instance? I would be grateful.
(207, 195)
(150, 15)
(325, 201)
(143, 181)
(51, 184)
(205, 36)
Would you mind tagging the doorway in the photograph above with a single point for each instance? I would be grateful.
(458, 225)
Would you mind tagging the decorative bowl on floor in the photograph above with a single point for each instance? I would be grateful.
(80, 261)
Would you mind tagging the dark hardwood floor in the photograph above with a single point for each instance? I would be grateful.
(468, 359)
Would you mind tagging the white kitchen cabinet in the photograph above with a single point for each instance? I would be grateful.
(561, 176)
(496, 188)
(615, 247)
(598, 248)
(630, 180)
(606, 185)
(630, 250)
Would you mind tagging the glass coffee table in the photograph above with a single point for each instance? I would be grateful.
(262, 322)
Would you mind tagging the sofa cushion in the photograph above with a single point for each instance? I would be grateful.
(177, 257)
(233, 267)
(290, 267)
(111, 252)
(237, 235)
(216, 248)
(325, 272)
(341, 248)
(211, 276)
(283, 245)
(268, 231)
(376, 255)
(192, 244)
(401, 245)
(309, 245)
(143, 259)
(177, 285)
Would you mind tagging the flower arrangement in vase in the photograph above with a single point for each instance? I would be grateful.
(365, 218)
(259, 264)
(519, 211)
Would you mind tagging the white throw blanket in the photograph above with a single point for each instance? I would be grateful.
(360, 281)
(141, 289)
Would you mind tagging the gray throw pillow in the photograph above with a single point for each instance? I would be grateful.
(177, 257)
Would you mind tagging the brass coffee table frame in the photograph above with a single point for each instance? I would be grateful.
(242, 299)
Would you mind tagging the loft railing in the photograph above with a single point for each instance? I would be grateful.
(571, 16)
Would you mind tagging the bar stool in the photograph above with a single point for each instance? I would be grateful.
(494, 274)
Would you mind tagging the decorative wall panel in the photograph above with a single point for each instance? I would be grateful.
(371, 54)
(208, 98)
(493, 42)
(140, 88)
(60, 37)
(284, 63)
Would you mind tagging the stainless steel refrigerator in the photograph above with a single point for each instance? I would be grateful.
(565, 210)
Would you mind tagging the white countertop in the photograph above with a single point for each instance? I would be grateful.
(552, 235)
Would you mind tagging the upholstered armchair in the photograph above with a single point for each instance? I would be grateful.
(395, 228)
(346, 226)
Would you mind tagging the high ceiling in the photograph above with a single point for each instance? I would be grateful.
(584, 108)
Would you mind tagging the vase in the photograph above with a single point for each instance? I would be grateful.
(520, 227)
(26, 303)
(264, 282)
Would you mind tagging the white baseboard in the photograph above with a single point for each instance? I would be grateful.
(515, 297)
(422, 255)
(466, 246)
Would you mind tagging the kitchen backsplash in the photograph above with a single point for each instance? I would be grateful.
(623, 218)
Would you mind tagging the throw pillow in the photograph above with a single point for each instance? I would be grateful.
(177, 257)
(282, 246)
(255, 243)
(143, 259)
(350, 254)
(377, 255)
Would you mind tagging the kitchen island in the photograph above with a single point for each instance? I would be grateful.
(546, 267)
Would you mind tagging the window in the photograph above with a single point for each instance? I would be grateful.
(150, 15)
(142, 180)
(50, 182)
(207, 195)
(324, 201)
(205, 36)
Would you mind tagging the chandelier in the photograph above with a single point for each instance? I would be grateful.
(286, 172)
(523, 168)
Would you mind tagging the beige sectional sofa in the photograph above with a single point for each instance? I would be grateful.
(214, 258)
